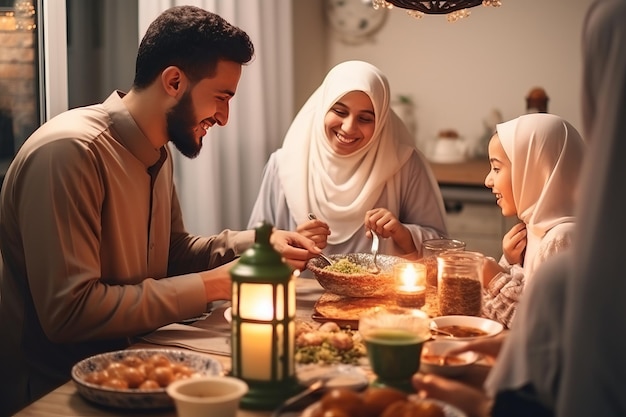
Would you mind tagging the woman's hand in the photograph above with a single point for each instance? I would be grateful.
(317, 230)
(386, 225)
(514, 244)
(467, 398)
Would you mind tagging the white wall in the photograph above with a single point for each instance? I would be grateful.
(458, 72)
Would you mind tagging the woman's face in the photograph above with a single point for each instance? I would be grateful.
(499, 177)
(350, 123)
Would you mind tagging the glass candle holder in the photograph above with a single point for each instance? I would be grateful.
(410, 279)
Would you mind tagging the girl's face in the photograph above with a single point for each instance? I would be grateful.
(499, 177)
(350, 123)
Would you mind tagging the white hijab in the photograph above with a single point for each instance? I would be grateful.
(594, 373)
(546, 153)
(339, 189)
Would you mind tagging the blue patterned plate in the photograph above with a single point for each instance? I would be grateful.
(135, 398)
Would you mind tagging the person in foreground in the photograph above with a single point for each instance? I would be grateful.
(94, 249)
(535, 160)
(562, 356)
(345, 161)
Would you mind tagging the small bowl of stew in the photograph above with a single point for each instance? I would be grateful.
(464, 327)
(437, 359)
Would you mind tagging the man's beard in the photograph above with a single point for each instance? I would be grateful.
(181, 127)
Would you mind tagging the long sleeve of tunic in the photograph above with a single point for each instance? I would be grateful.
(420, 208)
(502, 295)
(94, 248)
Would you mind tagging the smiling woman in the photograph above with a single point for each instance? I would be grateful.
(345, 159)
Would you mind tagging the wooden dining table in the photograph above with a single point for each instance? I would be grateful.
(65, 400)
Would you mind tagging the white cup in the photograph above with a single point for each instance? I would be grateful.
(215, 396)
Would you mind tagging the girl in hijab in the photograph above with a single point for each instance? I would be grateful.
(535, 160)
(345, 161)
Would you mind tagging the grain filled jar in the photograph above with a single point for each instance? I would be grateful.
(430, 249)
(459, 283)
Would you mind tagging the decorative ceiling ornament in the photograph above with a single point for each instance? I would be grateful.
(453, 9)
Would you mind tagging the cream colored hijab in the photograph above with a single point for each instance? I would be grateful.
(546, 153)
(339, 189)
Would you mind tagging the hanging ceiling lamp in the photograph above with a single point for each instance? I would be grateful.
(454, 10)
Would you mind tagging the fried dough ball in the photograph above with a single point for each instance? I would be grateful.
(335, 412)
(132, 361)
(397, 409)
(376, 400)
(116, 370)
(149, 384)
(344, 399)
(115, 383)
(158, 359)
(163, 375)
(427, 408)
(97, 377)
(133, 376)
(407, 408)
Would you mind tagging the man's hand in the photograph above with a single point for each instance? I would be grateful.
(295, 248)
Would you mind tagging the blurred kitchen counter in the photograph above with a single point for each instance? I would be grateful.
(468, 173)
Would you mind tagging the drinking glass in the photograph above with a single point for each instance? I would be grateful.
(393, 338)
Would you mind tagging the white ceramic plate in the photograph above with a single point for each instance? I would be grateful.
(490, 327)
(200, 363)
(336, 376)
(448, 409)
(228, 314)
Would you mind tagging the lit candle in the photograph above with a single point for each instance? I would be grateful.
(256, 338)
(410, 278)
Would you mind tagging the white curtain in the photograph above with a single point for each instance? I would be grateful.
(219, 187)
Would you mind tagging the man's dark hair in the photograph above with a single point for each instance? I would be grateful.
(192, 39)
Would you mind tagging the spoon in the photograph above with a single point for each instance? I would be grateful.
(290, 402)
(374, 268)
(321, 255)
(434, 328)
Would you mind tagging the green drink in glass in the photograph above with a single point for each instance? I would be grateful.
(393, 339)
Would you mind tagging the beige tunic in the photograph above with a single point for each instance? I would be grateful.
(85, 244)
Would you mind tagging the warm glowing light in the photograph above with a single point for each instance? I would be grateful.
(410, 280)
(411, 277)
(256, 302)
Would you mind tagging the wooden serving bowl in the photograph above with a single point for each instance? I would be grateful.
(356, 285)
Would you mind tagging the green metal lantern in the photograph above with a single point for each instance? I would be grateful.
(263, 327)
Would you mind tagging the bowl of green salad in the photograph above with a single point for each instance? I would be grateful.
(351, 275)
